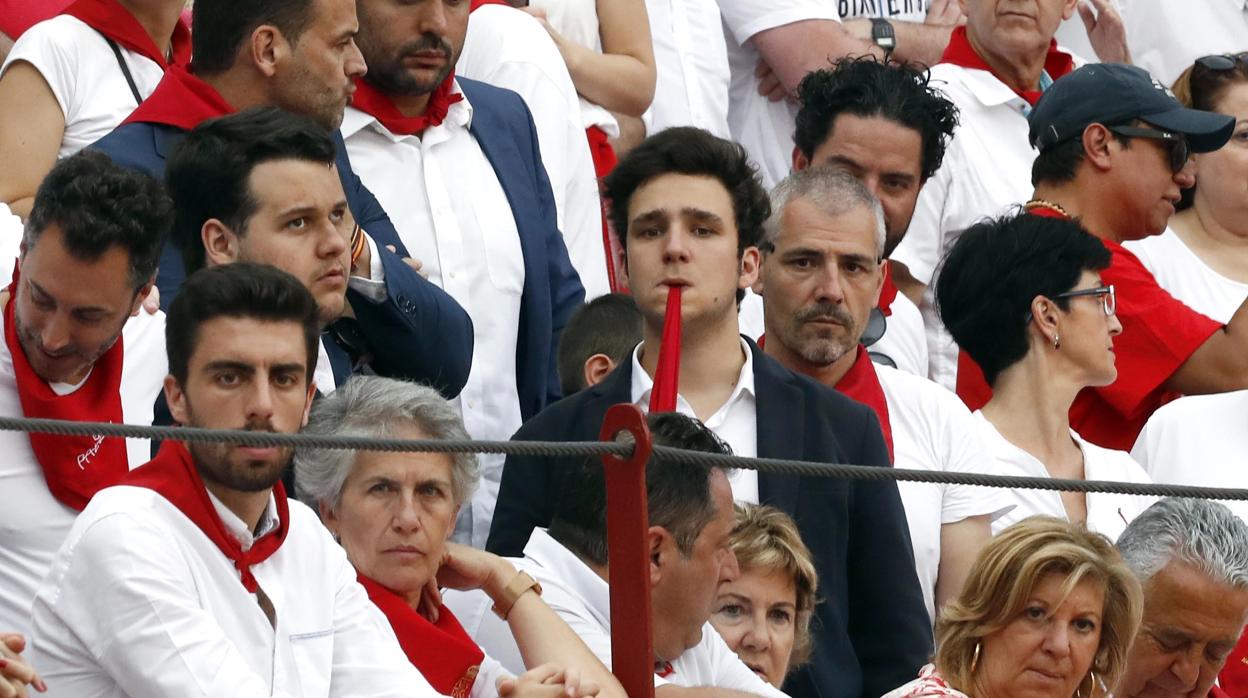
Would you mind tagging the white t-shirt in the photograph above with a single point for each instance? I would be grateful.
(140, 602)
(691, 63)
(582, 599)
(904, 340)
(33, 523)
(1198, 440)
(933, 430)
(1187, 277)
(82, 71)
(468, 241)
(507, 48)
(1166, 37)
(577, 21)
(1108, 514)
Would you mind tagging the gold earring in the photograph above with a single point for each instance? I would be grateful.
(975, 657)
(1057, 341)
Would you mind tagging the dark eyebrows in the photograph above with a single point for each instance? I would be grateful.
(81, 310)
(658, 215)
(291, 367)
(701, 216)
(230, 365)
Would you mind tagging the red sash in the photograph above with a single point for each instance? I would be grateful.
(478, 3)
(888, 293)
(862, 384)
(960, 52)
(376, 103)
(667, 373)
(113, 20)
(181, 100)
(76, 467)
(172, 473)
(442, 651)
(603, 155)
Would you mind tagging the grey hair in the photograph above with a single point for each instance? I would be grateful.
(833, 190)
(372, 406)
(1200, 532)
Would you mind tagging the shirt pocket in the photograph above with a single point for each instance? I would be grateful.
(314, 657)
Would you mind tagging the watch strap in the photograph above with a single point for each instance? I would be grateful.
(516, 588)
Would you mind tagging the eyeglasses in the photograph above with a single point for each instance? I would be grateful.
(1109, 300)
(1180, 150)
(1220, 63)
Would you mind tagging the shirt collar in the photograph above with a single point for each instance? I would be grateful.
(459, 115)
(564, 565)
(987, 89)
(643, 383)
(238, 529)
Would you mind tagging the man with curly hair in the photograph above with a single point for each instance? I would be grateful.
(888, 127)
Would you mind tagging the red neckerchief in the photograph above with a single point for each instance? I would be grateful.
(888, 292)
(862, 384)
(172, 474)
(960, 52)
(472, 7)
(442, 651)
(181, 100)
(75, 467)
(605, 160)
(1233, 679)
(664, 669)
(667, 373)
(376, 103)
(113, 20)
(971, 385)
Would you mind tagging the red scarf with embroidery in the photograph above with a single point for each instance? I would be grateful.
(667, 374)
(862, 383)
(181, 100)
(172, 474)
(376, 103)
(960, 52)
(888, 292)
(113, 20)
(442, 651)
(75, 467)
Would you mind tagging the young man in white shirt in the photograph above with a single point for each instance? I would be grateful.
(456, 164)
(821, 278)
(76, 346)
(196, 575)
(691, 517)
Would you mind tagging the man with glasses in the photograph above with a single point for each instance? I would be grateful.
(1114, 148)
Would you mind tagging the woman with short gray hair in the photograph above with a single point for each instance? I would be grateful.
(394, 513)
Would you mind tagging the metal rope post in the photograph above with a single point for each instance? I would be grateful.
(632, 646)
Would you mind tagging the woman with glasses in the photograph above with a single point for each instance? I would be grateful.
(1023, 296)
(1203, 258)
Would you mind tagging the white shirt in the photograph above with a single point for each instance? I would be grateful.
(577, 21)
(1198, 440)
(507, 48)
(83, 74)
(1187, 277)
(933, 430)
(1166, 37)
(33, 523)
(467, 238)
(736, 421)
(904, 340)
(691, 61)
(140, 602)
(1108, 514)
(582, 599)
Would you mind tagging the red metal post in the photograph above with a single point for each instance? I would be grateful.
(632, 646)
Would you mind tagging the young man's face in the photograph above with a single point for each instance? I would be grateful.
(70, 312)
(301, 225)
(682, 231)
(243, 373)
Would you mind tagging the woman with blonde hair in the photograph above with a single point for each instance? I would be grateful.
(764, 614)
(1049, 611)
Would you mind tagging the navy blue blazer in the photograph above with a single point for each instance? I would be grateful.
(504, 129)
(871, 630)
(418, 333)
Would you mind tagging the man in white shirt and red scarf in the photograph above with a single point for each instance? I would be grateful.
(456, 164)
(196, 575)
(74, 348)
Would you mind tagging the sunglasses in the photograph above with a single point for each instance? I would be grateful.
(1220, 63)
(1178, 147)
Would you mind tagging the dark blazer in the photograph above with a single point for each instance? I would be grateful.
(418, 333)
(504, 129)
(871, 630)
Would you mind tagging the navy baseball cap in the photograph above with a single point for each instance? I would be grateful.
(1115, 93)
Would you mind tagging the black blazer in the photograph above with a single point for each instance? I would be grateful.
(871, 630)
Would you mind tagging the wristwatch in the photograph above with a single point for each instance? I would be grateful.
(516, 588)
(883, 35)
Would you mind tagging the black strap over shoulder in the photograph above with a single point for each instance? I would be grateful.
(125, 70)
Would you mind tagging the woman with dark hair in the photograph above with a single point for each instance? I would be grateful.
(1202, 259)
(1023, 296)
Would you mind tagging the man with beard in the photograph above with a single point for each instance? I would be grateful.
(456, 163)
(196, 575)
(75, 349)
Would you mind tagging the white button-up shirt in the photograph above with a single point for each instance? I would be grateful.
(139, 602)
(451, 212)
(507, 48)
(691, 59)
(736, 421)
(33, 523)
